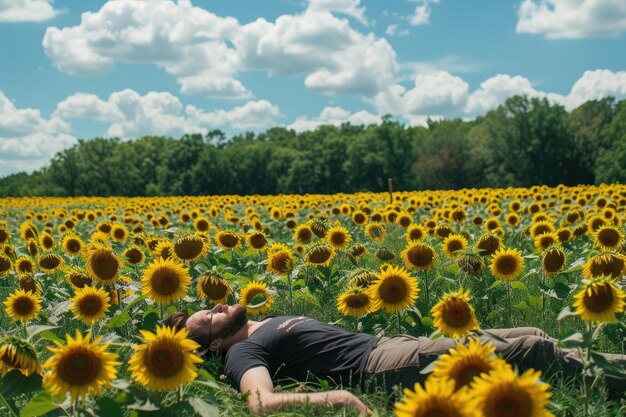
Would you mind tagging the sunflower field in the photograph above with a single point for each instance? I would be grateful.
(86, 282)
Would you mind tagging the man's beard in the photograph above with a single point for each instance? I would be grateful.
(235, 321)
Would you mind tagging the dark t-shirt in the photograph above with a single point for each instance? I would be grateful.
(292, 347)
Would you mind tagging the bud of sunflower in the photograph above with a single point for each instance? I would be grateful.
(553, 260)
(361, 278)
(18, 354)
(320, 226)
(469, 264)
(320, 255)
(385, 254)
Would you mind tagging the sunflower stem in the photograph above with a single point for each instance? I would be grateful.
(290, 292)
(399, 322)
(181, 393)
(6, 404)
(508, 303)
(161, 310)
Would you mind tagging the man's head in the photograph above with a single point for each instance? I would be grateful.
(211, 329)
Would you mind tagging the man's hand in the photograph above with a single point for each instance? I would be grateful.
(347, 399)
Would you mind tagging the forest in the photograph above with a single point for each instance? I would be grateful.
(523, 142)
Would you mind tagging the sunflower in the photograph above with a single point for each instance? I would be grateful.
(164, 249)
(46, 241)
(469, 263)
(361, 278)
(541, 227)
(165, 360)
(80, 367)
(385, 254)
(24, 265)
(359, 218)
(72, 245)
(226, 239)
(257, 241)
(599, 300)
(594, 223)
(454, 316)
(104, 227)
(18, 354)
(256, 297)
(303, 234)
(202, 225)
(28, 231)
(50, 262)
(376, 231)
(4, 234)
(404, 220)
(213, 287)
(165, 280)
(437, 398)
(338, 236)
(22, 306)
(454, 243)
(99, 237)
(443, 231)
(189, 248)
(608, 264)
(279, 259)
(32, 248)
(77, 278)
(119, 232)
(102, 264)
(354, 302)
(415, 232)
(544, 240)
(320, 255)
(512, 219)
(507, 264)
(466, 363)
(488, 244)
(394, 290)
(503, 393)
(358, 250)
(5, 265)
(90, 304)
(417, 255)
(608, 238)
(564, 234)
(134, 255)
(553, 260)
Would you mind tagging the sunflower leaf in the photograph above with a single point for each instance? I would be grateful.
(519, 285)
(36, 329)
(41, 403)
(203, 408)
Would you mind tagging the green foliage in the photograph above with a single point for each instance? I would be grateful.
(523, 142)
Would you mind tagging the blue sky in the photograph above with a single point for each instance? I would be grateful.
(81, 69)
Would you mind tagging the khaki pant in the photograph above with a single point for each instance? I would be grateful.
(397, 361)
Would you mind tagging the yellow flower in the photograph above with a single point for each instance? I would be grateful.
(303, 233)
(226, 239)
(166, 359)
(545, 240)
(189, 248)
(50, 262)
(354, 302)
(165, 280)
(213, 287)
(90, 304)
(72, 245)
(80, 367)
(22, 305)
(454, 316)
(257, 241)
(599, 300)
(320, 255)
(134, 255)
(18, 354)
(507, 264)
(466, 363)
(256, 297)
(608, 238)
(5, 265)
(553, 260)
(376, 231)
(394, 290)
(454, 243)
(279, 259)
(338, 236)
(418, 255)
(436, 399)
(608, 264)
(102, 264)
(503, 393)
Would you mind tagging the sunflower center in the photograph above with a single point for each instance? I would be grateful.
(488, 246)
(454, 245)
(25, 266)
(338, 238)
(133, 255)
(47, 242)
(79, 280)
(420, 256)
(23, 306)
(608, 237)
(214, 289)
(506, 265)
(511, 404)
(416, 234)
(90, 305)
(467, 373)
(393, 290)
(188, 248)
(357, 300)
(319, 255)
(49, 262)
(104, 265)
(257, 241)
(281, 262)
(5, 264)
(79, 368)
(163, 360)
(304, 235)
(600, 300)
(119, 234)
(229, 240)
(165, 281)
(553, 261)
(72, 245)
(456, 313)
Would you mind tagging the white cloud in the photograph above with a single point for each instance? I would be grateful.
(393, 30)
(185, 40)
(26, 10)
(334, 116)
(495, 90)
(335, 58)
(421, 15)
(253, 114)
(595, 85)
(87, 106)
(205, 52)
(347, 7)
(27, 139)
(559, 19)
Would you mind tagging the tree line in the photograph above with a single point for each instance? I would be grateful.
(523, 142)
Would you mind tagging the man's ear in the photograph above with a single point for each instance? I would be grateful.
(216, 344)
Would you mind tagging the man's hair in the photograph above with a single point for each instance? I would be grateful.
(178, 320)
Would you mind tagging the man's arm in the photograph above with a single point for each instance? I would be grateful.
(263, 399)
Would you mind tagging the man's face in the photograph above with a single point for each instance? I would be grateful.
(221, 321)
